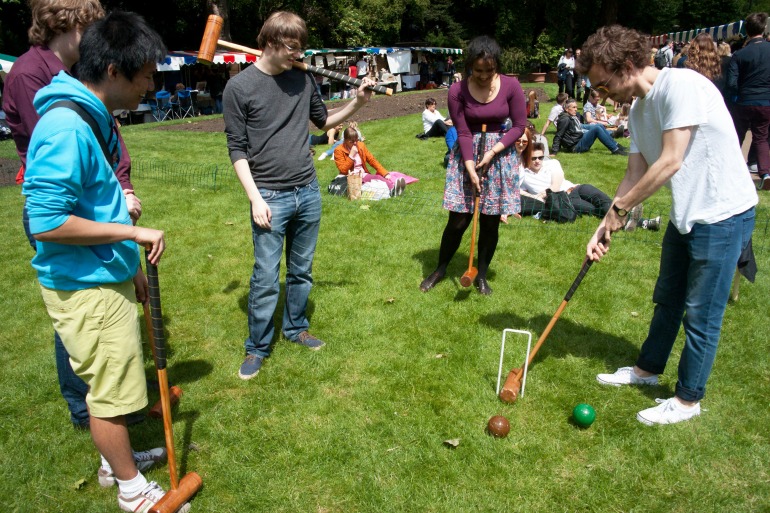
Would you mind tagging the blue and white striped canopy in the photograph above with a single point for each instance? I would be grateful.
(719, 33)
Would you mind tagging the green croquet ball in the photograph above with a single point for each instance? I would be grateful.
(584, 415)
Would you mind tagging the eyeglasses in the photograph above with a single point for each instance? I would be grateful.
(522, 141)
(293, 49)
(541, 157)
(602, 88)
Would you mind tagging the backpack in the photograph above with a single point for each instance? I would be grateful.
(660, 59)
(558, 207)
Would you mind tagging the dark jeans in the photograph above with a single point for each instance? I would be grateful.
(73, 389)
(696, 273)
(567, 85)
(439, 129)
(587, 199)
(757, 119)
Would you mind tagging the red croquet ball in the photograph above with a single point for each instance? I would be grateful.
(498, 426)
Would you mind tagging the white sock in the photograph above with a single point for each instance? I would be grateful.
(105, 464)
(133, 486)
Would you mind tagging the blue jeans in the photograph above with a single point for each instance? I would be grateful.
(296, 218)
(696, 272)
(73, 389)
(590, 134)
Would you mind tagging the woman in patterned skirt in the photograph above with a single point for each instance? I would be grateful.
(488, 98)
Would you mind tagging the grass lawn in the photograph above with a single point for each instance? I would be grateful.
(360, 425)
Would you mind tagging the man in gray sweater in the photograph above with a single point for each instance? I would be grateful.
(266, 109)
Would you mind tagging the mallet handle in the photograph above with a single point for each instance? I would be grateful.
(312, 69)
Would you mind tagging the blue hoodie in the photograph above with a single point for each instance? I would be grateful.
(68, 174)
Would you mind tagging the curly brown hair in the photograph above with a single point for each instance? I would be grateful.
(53, 17)
(611, 46)
(703, 58)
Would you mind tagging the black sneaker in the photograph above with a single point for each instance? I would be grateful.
(620, 150)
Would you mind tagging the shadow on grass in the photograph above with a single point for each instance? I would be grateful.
(190, 371)
(570, 339)
(183, 451)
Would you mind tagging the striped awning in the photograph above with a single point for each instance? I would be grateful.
(718, 33)
(6, 62)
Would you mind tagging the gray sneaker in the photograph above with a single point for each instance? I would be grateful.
(651, 224)
(625, 376)
(634, 217)
(144, 461)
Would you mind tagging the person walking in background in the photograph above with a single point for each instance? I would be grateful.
(677, 120)
(87, 259)
(485, 97)
(748, 79)
(57, 26)
(266, 112)
(566, 73)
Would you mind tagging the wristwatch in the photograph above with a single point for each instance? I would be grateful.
(622, 212)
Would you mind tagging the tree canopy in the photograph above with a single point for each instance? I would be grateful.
(520, 27)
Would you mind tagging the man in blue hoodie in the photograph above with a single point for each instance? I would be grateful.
(87, 258)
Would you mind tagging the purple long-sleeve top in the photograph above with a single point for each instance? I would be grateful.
(32, 71)
(468, 115)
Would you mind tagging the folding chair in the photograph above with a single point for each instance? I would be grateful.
(185, 108)
(162, 109)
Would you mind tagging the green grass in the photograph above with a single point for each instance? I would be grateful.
(360, 425)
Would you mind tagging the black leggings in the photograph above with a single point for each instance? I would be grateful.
(453, 236)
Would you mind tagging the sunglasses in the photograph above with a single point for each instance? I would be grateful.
(541, 157)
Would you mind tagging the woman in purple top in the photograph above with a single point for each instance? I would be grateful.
(488, 98)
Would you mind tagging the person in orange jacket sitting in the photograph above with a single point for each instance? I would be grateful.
(352, 156)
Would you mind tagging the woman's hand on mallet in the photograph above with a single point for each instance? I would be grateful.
(153, 240)
(364, 91)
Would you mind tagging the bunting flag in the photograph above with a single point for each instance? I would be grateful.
(174, 60)
(719, 33)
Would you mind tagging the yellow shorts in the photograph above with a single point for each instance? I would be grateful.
(100, 330)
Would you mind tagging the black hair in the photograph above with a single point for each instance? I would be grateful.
(121, 38)
(484, 48)
(538, 146)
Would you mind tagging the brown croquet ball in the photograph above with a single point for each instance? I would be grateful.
(498, 426)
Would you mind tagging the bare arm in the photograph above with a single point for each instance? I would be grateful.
(260, 211)
(340, 115)
(84, 232)
(639, 183)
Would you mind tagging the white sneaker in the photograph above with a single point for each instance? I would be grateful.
(323, 156)
(634, 217)
(668, 411)
(146, 499)
(144, 461)
(625, 376)
(399, 187)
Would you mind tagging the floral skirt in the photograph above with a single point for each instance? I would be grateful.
(499, 188)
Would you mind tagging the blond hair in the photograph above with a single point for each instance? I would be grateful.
(53, 17)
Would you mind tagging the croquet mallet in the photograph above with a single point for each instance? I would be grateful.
(211, 40)
(468, 276)
(181, 491)
(175, 393)
(510, 391)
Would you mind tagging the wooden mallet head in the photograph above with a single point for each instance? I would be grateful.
(510, 391)
(176, 497)
(210, 37)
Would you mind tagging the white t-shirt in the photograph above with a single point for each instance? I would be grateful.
(428, 118)
(535, 183)
(554, 114)
(362, 67)
(570, 63)
(712, 184)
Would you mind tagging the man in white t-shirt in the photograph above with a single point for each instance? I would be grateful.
(433, 122)
(557, 109)
(677, 123)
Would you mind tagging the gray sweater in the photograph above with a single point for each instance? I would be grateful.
(266, 124)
